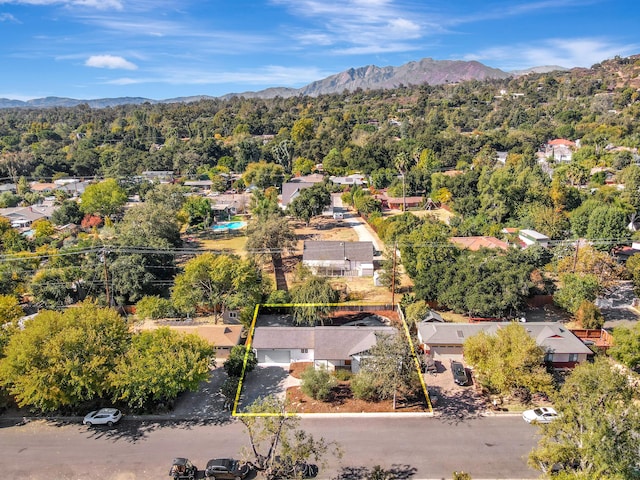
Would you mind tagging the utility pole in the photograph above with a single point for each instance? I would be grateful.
(106, 276)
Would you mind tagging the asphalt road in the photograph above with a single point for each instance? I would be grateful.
(412, 448)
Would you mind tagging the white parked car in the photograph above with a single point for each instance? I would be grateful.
(104, 416)
(540, 415)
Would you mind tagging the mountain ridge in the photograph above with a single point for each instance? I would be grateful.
(368, 77)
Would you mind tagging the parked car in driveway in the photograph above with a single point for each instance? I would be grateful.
(183, 469)
(540, 415)
(104, 416)
(226, 468)
(459, 373)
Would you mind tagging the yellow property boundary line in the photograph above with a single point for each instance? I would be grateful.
(249, 343)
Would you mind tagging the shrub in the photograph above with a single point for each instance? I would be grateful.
(364, 387)
(342, 375)
(154, 307)
(279, 296)
(317, 383)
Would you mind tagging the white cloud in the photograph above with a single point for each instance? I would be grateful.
(360, 26)
(271, 75)
(110, 61)
(7, 17)
(573, 52)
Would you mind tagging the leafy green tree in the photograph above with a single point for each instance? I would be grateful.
(317, 383)
(390, 368)
(197, 210)
(390, 270)
(54, 287)
(596, 433)
(68, 212)
(317, 293)
(303, 166)
(267, 238)
(10, 313)
(264, 175)
(626, 346)
(217, 282)
(486, 283)
(633, 267)
(158, 366)
(166, 196)
(302, 130)
(508, 361)
(576, 288)
(63, 359)
(416, 312)
(608, 223)
(105, 198)
(277, 443)
(589, 316)
(310, 203)
(234, 363)
(265, 204)
(154, 307)
(426, 253)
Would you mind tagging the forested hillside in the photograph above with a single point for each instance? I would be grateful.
(361, 131)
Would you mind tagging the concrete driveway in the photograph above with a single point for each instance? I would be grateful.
(266, 380)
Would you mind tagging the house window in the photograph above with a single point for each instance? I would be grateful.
(347, 363)
(233, 314)
(573, 357)
(304, 350)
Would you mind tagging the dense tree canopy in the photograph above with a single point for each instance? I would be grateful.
(508, 361)
(596, 434)
(63, 359)
(159, 365)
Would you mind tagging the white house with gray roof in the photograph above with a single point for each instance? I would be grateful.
(330, 347)
(338, 259)
(445, 340)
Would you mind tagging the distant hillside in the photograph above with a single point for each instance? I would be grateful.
(541, 69)
(371, 77)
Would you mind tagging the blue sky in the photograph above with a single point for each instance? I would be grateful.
(164, 48)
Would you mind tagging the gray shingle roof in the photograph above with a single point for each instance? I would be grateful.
(329, 343)
(553, 337)
(337, 251)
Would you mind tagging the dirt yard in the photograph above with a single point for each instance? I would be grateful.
(342, 400)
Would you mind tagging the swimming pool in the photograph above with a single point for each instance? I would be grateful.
(228, 226)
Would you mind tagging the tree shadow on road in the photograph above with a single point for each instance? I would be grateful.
(135, 430)
(456, 406)
(396, 472)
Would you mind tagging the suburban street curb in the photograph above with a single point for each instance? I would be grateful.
(182, 418)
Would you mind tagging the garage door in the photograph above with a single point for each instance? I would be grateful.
(274, 356)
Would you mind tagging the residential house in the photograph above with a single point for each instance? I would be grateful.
(41, 187)
(199, 186)
(338, 259)
(311, 178)
(222, 337)
(531, 237)
(444, 341)
(560, 149)
(349, 180)
(330, 347)
(8, 187)
(160, 176)
(398, 203)
(476, 243)
(24, 216)
(290, 190)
